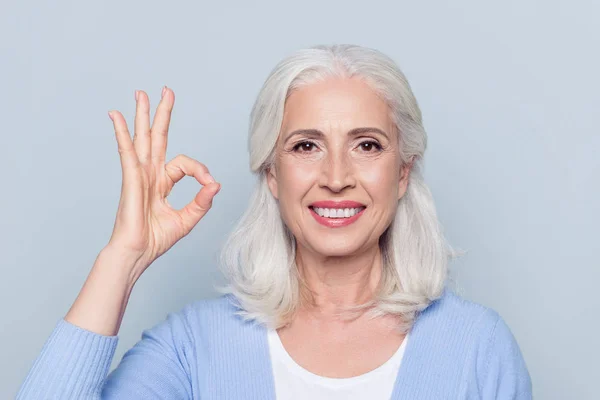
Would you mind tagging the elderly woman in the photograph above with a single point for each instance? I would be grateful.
(337, 272)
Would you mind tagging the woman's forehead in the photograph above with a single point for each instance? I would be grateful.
(336, 104)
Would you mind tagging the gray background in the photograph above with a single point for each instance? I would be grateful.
(509, 92)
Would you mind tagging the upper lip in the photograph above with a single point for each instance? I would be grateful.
(336, 204)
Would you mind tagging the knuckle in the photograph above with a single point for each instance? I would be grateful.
(181, 157)
(124, 151)
(203, 209)
(201, 166)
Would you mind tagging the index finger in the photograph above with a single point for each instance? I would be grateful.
(183, 165)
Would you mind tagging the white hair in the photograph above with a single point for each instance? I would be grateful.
(258, 259)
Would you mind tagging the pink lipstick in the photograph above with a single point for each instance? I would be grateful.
(336, 214)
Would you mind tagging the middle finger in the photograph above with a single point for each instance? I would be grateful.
(141, 136)
(160, 127)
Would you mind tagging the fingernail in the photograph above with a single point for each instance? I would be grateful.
(163, 92)
(110, 116)
(209, 178)
(137, 93)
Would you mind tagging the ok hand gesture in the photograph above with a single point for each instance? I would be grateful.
(146, 226)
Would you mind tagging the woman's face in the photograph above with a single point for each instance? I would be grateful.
(337, 172)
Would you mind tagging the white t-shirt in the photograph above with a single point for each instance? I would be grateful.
(292, 382)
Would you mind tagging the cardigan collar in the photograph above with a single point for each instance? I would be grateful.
(254, 374)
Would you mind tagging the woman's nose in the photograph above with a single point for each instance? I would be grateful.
(336, 173)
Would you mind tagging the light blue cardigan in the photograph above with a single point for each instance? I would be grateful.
(457, 350)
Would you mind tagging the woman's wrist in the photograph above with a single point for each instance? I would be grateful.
(101, 303)
(125, 264)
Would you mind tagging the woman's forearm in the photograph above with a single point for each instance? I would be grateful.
(101, 303)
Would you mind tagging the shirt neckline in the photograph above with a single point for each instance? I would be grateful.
(390, 364)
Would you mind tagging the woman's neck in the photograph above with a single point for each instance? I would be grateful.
(334, 283)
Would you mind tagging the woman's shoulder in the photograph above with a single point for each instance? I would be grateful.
(454, 333)
(453, 310)
(463, 326)
(221, 306)
(475, 331)
(208, 317)
(201, 326)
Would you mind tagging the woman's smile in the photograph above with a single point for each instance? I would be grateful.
(335, 214)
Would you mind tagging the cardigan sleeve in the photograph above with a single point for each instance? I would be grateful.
(157, 367)
(74, 364)
(503, 374)
(71, 365)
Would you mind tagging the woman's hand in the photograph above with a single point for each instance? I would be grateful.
(146, 226)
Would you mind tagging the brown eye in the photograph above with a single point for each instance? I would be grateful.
(370, 146)
(304, 147)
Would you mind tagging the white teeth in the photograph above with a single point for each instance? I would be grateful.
(337, 212)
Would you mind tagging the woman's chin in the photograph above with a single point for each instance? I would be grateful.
(334, 248)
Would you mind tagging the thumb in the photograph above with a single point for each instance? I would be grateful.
(193, 212)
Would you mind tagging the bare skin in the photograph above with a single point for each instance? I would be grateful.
(326, 345)
(146, 226)
(335, 349)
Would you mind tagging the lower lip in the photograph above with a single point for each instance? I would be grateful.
(336, 222)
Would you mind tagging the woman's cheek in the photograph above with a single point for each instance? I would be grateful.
(380, 179)
(298, 177)
(377, 174)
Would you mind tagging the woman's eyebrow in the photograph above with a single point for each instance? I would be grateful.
(360, 131)
(315, 133)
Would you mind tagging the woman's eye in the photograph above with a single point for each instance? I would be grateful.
(304, 147)
(370, 146)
